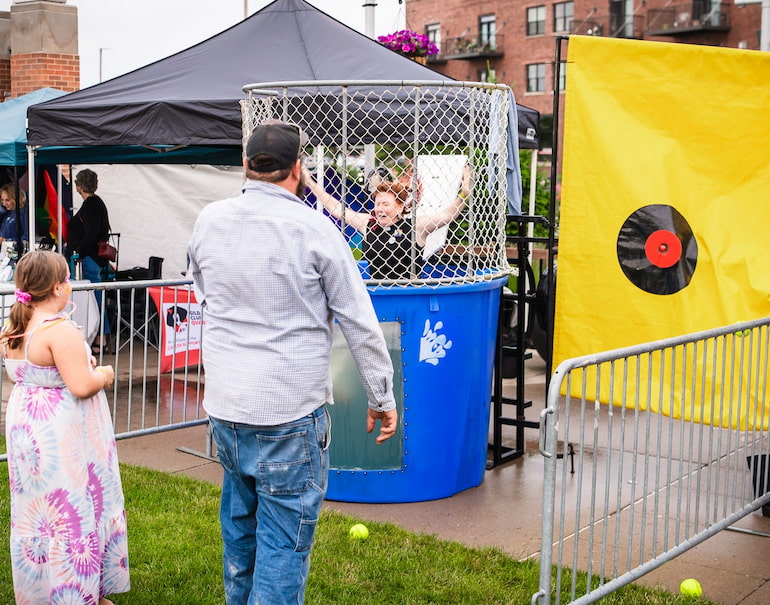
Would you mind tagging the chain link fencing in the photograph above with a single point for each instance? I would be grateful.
(413, 173)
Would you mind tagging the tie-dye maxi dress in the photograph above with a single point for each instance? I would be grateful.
(68, 523)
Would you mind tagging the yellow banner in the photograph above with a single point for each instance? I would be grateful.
(665, 207)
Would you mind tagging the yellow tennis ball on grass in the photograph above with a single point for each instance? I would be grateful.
(691, 588)
(359, 531)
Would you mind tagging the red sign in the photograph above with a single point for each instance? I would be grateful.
(181, 323)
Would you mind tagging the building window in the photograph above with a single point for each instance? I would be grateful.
(433, 31)
(536, 77)
(707, 12)
(487, 30)
(622, 18)
(562, 75)
(535, 20)
(562, 16)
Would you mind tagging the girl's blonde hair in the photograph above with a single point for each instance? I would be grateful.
(37, 274)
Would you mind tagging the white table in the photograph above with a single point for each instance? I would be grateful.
(87, 310)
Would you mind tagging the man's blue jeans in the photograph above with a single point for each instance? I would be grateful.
(274, 484)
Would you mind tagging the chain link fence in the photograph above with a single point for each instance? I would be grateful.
(413, 173)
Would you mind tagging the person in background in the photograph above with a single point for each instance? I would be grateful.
(8, 224)
(89, 226)
(68, 522)
(269, 303)
(388, 228)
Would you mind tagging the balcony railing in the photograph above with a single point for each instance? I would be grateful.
(611, 26)
(694, 17)
(470, 47)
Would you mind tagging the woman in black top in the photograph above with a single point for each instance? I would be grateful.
(89, 226)
(393, 240)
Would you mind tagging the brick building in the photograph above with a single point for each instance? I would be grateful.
(38, 47)
(515, 39)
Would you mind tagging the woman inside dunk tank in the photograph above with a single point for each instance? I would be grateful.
(393, 233)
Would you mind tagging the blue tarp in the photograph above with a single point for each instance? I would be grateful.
(13, 125)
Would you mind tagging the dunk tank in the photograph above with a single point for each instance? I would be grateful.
(449, 145)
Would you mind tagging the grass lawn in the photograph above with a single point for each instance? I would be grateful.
(175, 557)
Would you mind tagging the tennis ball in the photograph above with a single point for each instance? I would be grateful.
(359, 532)
(691, 588)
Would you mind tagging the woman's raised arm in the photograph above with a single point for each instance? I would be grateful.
(357, 220)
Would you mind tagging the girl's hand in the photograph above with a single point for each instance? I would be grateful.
(109, 375)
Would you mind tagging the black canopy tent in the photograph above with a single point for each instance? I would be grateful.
(188, 103)
(185, 108)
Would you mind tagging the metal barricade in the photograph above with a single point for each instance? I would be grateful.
(681, 454)
(155, 349)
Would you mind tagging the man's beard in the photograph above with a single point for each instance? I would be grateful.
(301, 186)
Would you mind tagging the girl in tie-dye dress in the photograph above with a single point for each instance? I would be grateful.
(68, 523)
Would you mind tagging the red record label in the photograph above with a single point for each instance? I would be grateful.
(663, 248)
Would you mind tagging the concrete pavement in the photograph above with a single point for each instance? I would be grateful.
(505, 510)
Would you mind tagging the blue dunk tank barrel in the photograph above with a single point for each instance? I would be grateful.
(442, 343)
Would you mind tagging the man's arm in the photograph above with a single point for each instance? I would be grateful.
(350, 303)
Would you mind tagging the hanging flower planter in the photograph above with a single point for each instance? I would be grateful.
(410, 44)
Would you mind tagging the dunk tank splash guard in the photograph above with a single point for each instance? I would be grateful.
(449, 145)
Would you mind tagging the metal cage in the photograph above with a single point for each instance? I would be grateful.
(444, 144)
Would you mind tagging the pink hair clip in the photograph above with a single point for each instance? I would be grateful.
(22, 296)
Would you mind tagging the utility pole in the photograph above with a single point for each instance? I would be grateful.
(101, 51)
(369, 16)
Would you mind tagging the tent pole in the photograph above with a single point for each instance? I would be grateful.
(32, 196)
(19, 236)
(59, 209)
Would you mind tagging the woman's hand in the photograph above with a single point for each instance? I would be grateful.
(309, 180)
(465, 189)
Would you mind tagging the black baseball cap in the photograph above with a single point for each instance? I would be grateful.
(274, 145)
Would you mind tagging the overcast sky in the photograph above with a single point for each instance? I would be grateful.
(133, 33)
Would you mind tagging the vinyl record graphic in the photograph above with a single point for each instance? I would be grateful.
(657, 249)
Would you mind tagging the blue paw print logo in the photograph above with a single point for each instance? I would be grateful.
(433, 346)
